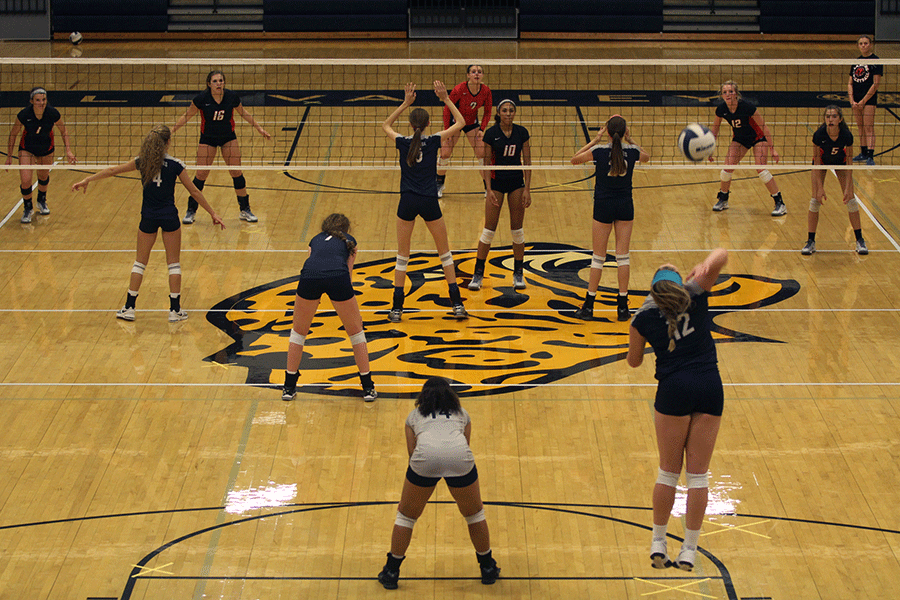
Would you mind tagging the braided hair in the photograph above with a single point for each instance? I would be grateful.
(153, 151)
(672, 300)
(338, 225)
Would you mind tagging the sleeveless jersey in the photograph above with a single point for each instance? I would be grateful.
(832, 152)
(863, 77)
(38, 133)
(159, 194)
(419, 178)
(694, 346)
(327, 258)
(469, 105)
(506, 150)
(741, 120)
(217, 118)
(440, 438)
(606, 186)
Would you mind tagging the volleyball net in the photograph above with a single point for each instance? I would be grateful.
(327, 114)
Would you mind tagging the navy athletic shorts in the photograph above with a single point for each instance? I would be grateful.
(338, 289)
(454, 482)
(687, 392)
(413, 205)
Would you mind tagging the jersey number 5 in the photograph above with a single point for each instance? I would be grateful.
(219, 115)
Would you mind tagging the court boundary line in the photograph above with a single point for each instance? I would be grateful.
(7, 384)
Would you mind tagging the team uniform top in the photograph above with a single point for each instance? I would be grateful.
(607, 187)
(833, 152)
(217, 118)
(863, 77)
(419, 178)
(159, 194)
(469, 105)
(441, 446)
(694, 347)
(506, 150)
(744, 129)
(327, 257)
(37, 136)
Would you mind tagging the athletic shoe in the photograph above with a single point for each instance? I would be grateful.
(870, 161)
(177, 315)
(125, 313)
(26, 215)
(809, 248)
(288, 393)
(490, 573)
(622, 313)
(369, 394)
(247, 215)
(779, 210)
(861, 247)
(659, 560)
(43, 208)
(720, 205)
(475, 284)
(394, 316)
(519, 281)
(189, 216)
(584, 313)
(459, 311)
(441, 190)
(389, 578)
(860, 157)
(685, 560)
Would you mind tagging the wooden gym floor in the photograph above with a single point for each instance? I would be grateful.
(149, 460)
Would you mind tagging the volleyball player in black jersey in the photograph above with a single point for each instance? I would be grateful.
(749, 130)
(505, 144)
(36, 146)
(327, 271)
(862, 91)
(418, 193)
(833, 145)
(217, 106)
(159, 171)
(689, 397)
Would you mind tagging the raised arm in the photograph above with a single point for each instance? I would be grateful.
(409, 96)
(459, 121)
(706, 273)
(586, 153)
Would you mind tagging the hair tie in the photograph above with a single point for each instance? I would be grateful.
(504, 101)
(38, 91)
(666, 275)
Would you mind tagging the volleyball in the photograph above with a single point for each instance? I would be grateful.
(696, 142)
(75, 37)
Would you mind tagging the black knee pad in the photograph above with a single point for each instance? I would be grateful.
(199, 183)
(26, 191)
(239, 182)
(44, 182)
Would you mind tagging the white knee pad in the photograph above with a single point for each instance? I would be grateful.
(667, 478)
(476, 518)
(443, 163)
(725, 175)
(446, 259)
(623, 260)
(138, 268)
(597, 261)
(404, 521)
(697, 480)
(814, 205)
(487, 236)
(358, 338)
(765, 176)
(518, 236)
(296, 338)
(402, 263)
(174, 268)
(853, 205)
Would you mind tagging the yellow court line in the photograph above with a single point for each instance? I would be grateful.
(737, 527)
(669, 588)
(145, 570)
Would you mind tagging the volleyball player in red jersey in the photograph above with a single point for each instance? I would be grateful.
(469, 96)
(217, 106)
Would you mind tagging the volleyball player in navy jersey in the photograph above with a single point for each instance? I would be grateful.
(159, 171)
(505, 144)
(833, 145)
(862, 90)
(689, 397)
(36, 122)
(749, 130)
(217, 106)
(327, 271)
(418, 193)
(615, 155)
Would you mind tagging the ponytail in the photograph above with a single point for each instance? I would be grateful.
(338, 225)
(616, 128)
(153, 151)
(418, 119)
(673, 301)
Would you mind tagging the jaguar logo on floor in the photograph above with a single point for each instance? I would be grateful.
(510, 341)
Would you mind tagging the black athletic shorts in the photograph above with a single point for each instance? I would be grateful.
(217, 140)
(38, 150)
(454, 482)
(687, 392)
(152, 224)
(413, 205)
(471, 127)
(748, 141)
(506, 185)
(614, 209)
(338, 289)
